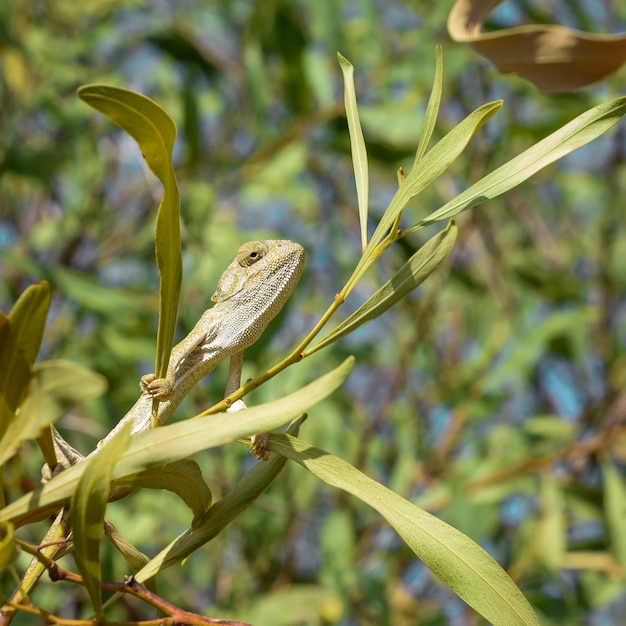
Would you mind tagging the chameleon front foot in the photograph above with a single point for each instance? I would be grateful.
(158, 388)
(258, 446)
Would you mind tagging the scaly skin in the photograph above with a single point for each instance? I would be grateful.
(250, 293)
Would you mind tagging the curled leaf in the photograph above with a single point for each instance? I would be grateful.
(220, 515)
(553, 58)
(153, 130)
(183, 478)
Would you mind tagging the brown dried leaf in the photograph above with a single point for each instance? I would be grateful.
(553, 58)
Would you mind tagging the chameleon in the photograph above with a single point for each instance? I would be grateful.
(250, 293)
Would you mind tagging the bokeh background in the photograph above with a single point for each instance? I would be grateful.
(494, 396)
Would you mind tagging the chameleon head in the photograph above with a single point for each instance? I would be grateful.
(266, 271)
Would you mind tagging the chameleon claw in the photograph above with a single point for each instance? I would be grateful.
(158, 388)
(145, 381)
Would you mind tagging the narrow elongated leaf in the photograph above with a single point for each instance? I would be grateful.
(183, 478)
(357, 145)
(178, 441)
(550, 536)
(88, 507)
(220, 515)
(56, 386)
(8, 550)
(615, 509)
(153, 130)
(580, 131)
(432, 165)
(52, 547)
(457, 560)
(106, 300)
(20, 338)
(413, 273)
(28, 319)
(432, 109)
(135, 558)
(14, 375)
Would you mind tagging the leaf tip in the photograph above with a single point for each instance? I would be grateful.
(345, 65)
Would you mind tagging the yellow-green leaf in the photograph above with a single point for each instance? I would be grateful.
(456, 560)
(432, 109)
(8, 550)
(14, 375)
(183, 478)
(429, 168)
(135, 558)
(413, 273)
(142, 118)
(20, 338)
(56, 386)
(615, 509)
(28, 319)
(432, 165)
(549, 541)
(580, 131)
(153, 130)
(88, 507)
(178, 441)
(357, 145)
(220, 515)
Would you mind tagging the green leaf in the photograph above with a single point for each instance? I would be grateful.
(432, 165)
(167, 444)
(135, 558)
(153, 130)
(580, 131)
(106, 300)
(28, 319)
(413, 273)
(456, 560)
(20, 338)
(615, 509)
(522, 356)
(220, 515)
(8, 549)
(432, 109)
(550, 536)
(14, 375)
(183, 478)
(357, 145)
(56, 386)
(88, 507)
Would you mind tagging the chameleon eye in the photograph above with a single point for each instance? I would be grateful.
(250, 253)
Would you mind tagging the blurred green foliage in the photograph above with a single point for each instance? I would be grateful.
(493, 397)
